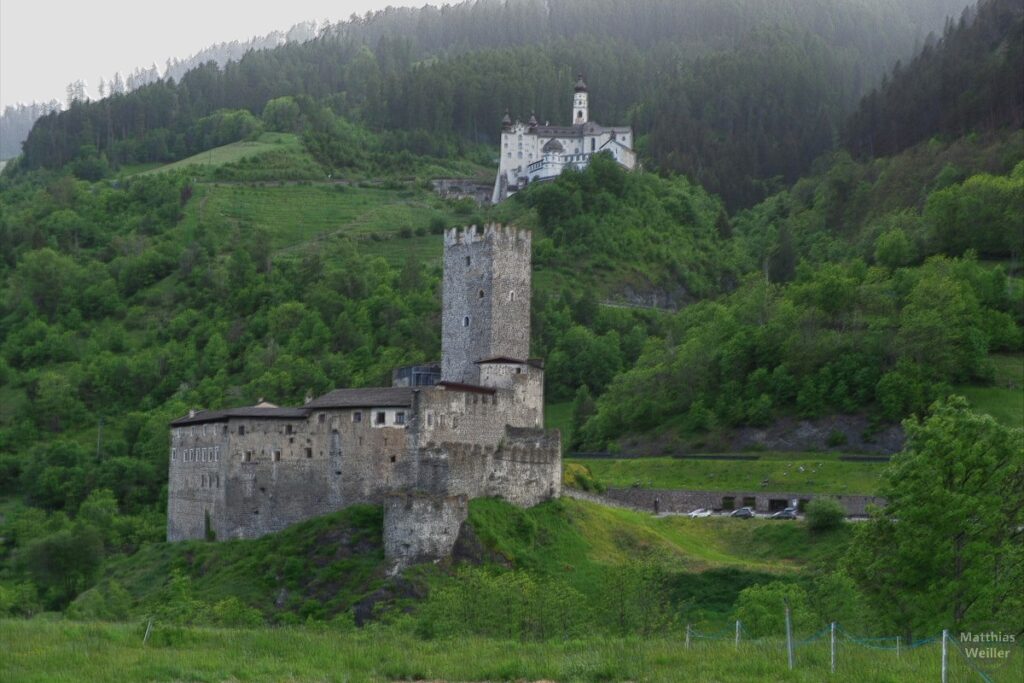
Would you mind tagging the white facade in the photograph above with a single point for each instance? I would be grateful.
(531, 152)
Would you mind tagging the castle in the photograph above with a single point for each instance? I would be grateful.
(531, 152)
(422, 448)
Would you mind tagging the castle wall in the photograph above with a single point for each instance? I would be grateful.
(418, 527)
(195, 485)
(278, 477)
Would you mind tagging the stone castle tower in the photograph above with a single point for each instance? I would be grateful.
(422, 448)
(486, 300)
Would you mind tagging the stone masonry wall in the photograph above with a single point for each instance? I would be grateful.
(419, 527)
(486, 306)
(195, 486)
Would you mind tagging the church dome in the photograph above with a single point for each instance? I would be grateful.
(553, 146)
(581, 86)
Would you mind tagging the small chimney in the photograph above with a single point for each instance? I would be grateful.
(309, 397)
(191, 412)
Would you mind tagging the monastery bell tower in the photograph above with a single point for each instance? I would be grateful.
(580, 114)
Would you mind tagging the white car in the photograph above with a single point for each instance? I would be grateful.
(700, 512)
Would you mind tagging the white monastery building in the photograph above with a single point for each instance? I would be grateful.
(531, 152)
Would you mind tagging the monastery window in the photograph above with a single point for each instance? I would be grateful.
(241, 430)
(392, 458)
(467, 261)
(593, 144)
(247, 457)
(172, 454)
(511, 296)
(357, 416)
(430, 419)
(277, 456)
(465, 321)
(400, 417)
(455, 422)
(287, 429)
(309, 452)
(320, 417)
(216, 453)
(191, 454)
(379, 417)
(480, 294)
(218, 481)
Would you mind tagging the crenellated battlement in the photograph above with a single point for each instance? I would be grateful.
(495, 233)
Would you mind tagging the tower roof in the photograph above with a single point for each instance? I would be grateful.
(506, 120)
(581, 85)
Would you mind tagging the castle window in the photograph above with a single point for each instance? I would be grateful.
(392, 458)
(247, 457)
(467, 258)
(465, 321)
(511, 296)
(320, 418)
(357, 416)
(519, 371)
(480, 294)
(218, 481)
(172, 454)
(216, 453)
(225, 430)
(287, 429)
(309, 452)
(379, 417)
(455, 422)
(430, 419)
(593, 144)
(400, 417)
(277, 456)
(241, 430)
(203, 484)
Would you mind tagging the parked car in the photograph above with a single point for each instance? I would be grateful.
(700, 512)
(788, 513)
(743, 513)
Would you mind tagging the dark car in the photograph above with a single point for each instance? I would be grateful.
(743, 513)
(788, 513)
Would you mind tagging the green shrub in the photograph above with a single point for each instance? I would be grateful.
(824, 514)
(835, 438)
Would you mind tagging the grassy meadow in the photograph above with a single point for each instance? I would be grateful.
(41, 650)
(797, 472)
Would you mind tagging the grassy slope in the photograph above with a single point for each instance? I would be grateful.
(1005, 399)
(236, 151)
(324, 566)
(316, 568)
(47, 651)
(822, 473)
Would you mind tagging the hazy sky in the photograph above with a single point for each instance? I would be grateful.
(46, 45)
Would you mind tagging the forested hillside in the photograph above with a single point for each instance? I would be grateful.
(795, 68)
(968, 80)
(295, 247)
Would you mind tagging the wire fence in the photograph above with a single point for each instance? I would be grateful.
(954, 661)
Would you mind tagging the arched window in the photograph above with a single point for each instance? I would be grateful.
(511, 296)
(480, 294)
(465, 321)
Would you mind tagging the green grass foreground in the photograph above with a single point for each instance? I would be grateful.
(40, 650)
(800, 472)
